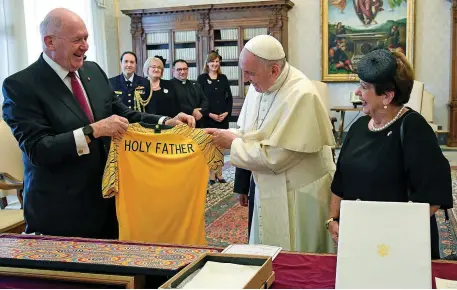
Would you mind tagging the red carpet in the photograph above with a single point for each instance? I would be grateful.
(230, 228)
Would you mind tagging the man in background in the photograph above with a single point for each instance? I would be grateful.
(125, 84)
(191, 96)
(244, 186)
(63, 113)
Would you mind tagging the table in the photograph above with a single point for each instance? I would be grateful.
(343, 111)
(292, 270)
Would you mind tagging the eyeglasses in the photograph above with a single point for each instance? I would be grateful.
(155, 67)
(182, 69)
(80, 40)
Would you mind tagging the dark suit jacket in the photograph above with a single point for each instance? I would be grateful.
(62, 191)
(126, 94)
(191, 96)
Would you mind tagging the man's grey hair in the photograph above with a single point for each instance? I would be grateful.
(49, 21)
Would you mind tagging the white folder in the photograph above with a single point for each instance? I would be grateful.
(384, 245)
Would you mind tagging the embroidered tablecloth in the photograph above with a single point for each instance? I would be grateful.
(96, 255)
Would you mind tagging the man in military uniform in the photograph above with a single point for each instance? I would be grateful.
(125, 84)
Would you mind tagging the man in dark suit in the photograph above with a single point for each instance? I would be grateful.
(191, 96)
(244, 186)
(125, 84)
(63, 113)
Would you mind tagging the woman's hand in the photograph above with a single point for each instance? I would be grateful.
(334, 229)
(214, 117)
(223, 116)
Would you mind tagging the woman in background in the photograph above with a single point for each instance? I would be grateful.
(216, 87)
(377, 162)
(162, 98)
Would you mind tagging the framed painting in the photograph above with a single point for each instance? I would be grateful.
(351, 28)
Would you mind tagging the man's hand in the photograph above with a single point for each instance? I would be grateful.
(180, 119)
(222, 138)
(196, 113)
(114, 126)
(334, 229)
(243, 198)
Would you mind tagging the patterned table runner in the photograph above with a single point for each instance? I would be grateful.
(99, 255)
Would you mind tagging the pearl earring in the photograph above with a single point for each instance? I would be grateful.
(385, 107)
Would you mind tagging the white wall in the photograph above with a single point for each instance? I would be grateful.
(432, 45)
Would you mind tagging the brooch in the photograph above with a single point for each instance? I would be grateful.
(209, 82)
(390, 133)
(165, 91)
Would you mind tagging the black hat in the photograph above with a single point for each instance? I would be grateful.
(216, 51)
(164, 61)
(377, 66)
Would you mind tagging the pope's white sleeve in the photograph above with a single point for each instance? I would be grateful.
(264, 159)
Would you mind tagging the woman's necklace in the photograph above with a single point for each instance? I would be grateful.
(374, 129)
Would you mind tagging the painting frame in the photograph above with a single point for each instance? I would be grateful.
(352, 76)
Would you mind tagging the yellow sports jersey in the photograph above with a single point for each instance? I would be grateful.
(160, 182)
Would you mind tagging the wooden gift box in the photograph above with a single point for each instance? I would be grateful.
(261, 280)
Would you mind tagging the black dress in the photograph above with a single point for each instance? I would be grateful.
(165, 101)
(373, 166)
(219, 98)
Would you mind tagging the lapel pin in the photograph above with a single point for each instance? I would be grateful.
(88, 78)
(390, 133)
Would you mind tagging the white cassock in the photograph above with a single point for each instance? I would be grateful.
(284, 139)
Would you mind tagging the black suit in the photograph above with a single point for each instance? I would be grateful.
(191, 96)
(62, 191)
(244, 184)
(119, 85)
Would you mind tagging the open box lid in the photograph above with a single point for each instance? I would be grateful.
(263, 277)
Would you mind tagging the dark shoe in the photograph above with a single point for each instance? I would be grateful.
(212, 182)
(222, 180)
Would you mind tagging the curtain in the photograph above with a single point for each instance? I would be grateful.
(13, 45)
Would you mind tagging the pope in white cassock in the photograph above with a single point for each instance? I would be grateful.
(283, 138)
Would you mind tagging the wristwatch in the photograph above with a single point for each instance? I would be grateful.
(166, 119)
(327, 223)
(89, 132)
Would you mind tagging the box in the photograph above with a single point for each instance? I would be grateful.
(36, 278)
(262, 279)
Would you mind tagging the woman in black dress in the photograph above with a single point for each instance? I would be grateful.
(162, 98)
(375, 163)
(216, 87)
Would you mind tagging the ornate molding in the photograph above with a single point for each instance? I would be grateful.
(136, 26)
(272, 4)
(204, 26)
(275, 18)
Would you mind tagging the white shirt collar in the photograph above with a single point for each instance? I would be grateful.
(130, 79)
(60, 71)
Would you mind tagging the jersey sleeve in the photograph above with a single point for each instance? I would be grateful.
(110, 183)
(214, 155)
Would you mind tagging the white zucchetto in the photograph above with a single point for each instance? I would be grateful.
(266, 46)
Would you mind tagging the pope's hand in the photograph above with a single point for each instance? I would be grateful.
(222, 138)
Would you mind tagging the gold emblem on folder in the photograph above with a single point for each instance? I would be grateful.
(383, 250)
